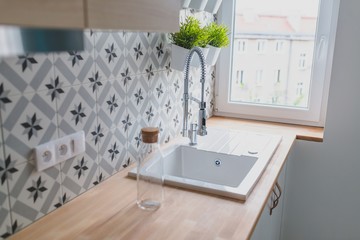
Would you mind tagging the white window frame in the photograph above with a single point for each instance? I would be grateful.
(314, 115)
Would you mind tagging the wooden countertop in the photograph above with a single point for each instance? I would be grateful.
(108, 211)
(314, 134)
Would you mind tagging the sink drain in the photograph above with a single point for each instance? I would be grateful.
(217, 162)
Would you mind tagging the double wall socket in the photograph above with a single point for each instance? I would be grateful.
(59, 150)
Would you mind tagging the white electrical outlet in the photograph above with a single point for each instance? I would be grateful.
(62, 149)
(45, 156)
(59, 150)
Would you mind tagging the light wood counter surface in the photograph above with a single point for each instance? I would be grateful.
(108, 211)
(313, 134)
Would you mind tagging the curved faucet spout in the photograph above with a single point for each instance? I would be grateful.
(202, 104)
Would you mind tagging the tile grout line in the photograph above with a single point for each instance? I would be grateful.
(7, 181)
(126, 97)
(96, 109)
(58, 130)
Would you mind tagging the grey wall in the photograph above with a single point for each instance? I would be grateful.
(122, 82)
(323, 179)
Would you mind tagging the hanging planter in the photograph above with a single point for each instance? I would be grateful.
(191, 35)
(217, 39)
(179, 54)
(198, 4)
(213, 55)
(213, 6)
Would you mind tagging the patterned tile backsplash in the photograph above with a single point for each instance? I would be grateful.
(120, 83)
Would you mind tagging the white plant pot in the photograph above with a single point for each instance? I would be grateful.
(185, 3)
(212, 6)
(179, 54)
(213, 55)
(198, 4)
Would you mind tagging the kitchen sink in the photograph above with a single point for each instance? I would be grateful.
(227, 163)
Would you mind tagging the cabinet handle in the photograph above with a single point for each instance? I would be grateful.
(275, 197)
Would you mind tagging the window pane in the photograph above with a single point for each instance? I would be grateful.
(279, 37)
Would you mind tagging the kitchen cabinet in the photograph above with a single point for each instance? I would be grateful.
(144, 15)
(269, 226)
(141, 15)
(43, 13)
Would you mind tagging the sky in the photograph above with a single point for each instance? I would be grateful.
(284, 7)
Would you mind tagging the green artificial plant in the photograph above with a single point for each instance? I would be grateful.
(191, 34)
(217, 35)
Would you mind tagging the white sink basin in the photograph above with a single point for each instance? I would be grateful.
(217, 168)
(227, 163)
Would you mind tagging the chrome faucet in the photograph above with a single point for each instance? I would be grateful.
(200, 128)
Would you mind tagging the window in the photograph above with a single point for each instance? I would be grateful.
(303, 31)
(277, 76)
(261, 44)
(299, 89)
(302, 61)
(279, 45)
(240, 77)
(241, 46)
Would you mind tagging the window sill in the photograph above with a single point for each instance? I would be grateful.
(307, 133)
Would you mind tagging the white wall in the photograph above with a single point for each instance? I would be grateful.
(323, 179)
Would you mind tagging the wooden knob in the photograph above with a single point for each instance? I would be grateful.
(149, 134)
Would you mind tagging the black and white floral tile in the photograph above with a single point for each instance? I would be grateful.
(121, 82)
